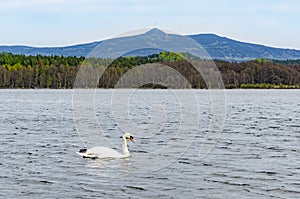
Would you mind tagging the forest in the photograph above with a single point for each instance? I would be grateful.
(170, 70)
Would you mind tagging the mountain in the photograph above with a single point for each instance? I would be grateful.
(148, 43)
(155, 41)
(76, 50)
(227, 49)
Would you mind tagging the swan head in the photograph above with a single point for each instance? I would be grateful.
(128, 136)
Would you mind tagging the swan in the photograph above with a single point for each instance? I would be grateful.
(106, 152)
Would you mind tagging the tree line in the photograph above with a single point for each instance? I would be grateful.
(56, 72)
(238, 75)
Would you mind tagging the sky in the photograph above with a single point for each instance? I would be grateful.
(66, 22)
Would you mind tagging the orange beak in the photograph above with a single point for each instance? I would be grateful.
(131, 139)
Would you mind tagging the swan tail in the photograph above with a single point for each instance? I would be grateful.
(82, 150)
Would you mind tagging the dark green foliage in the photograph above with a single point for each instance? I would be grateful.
(259, 73)
(11, 59)
(287, 62)
(153, 86)
(269, 86)
(20, 71)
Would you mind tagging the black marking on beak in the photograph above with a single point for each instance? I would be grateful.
(131, 139)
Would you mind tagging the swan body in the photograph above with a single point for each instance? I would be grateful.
(106, 152)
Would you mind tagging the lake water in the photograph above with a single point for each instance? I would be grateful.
(256, 155)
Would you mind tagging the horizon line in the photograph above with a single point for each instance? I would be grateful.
(115, 36)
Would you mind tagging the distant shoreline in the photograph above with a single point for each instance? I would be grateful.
(253, 87)
(54, 72)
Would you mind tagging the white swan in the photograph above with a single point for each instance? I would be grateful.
(105, 152)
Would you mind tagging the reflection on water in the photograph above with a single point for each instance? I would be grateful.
(256, 156)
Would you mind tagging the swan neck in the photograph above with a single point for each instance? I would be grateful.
(124, 147)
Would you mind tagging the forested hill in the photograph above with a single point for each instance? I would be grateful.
(227, 49)
(217, 47)
(20, 71)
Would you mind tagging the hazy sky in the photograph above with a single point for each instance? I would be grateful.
(64, 22)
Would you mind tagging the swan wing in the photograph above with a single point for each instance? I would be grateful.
(103, 152)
